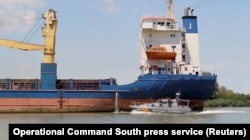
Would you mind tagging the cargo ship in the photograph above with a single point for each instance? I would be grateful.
(169, 63)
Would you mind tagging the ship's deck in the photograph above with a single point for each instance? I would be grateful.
(66, 84)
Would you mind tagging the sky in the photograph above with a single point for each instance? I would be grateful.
(98, 39)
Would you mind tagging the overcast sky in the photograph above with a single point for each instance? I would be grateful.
(98, 39)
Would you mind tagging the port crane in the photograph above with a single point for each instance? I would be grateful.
(48, 67)
(48, 32)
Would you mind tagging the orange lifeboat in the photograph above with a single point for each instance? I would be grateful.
(160, 53)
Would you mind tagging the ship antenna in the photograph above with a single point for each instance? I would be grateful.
(170, 9)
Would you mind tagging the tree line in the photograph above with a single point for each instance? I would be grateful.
(224, 97)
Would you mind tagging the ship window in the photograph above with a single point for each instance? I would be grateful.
(183, 58)
(161, 23)
(183, 46)
(159, 70)
(168, 24)
(172, 35)
(150, 70)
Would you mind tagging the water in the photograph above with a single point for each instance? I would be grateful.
(208, 116)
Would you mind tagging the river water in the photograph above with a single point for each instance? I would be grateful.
(208, 116)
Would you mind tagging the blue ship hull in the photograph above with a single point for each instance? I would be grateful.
(111, 97)
(159, 86)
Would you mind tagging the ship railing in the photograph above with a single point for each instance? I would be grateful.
(137, 103)
(2, 86)
(155, 15)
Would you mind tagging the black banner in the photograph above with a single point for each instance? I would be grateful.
(141, 131)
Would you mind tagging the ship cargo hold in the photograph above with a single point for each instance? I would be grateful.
(169, 63)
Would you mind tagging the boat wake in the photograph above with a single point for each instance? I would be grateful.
(139, 112)
(219, 111)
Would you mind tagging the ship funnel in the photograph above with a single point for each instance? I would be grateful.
(192, 12)
(186, 12)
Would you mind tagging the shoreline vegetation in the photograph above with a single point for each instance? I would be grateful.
(224, 97)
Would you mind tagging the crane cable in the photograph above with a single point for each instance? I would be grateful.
(32, 31)
(18, 20)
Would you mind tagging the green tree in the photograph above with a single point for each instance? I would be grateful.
(228, 98)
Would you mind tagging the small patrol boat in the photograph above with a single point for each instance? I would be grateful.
(166, 105)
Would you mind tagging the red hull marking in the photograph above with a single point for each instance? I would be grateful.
(75, 105)
(49, 104)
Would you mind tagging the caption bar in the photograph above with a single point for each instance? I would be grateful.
(30, 131)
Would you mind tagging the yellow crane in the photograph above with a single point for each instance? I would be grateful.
(49, 34)
(48, 67)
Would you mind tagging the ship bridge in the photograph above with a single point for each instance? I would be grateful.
(156, 23)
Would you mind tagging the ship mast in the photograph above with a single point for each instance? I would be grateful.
(170, 9)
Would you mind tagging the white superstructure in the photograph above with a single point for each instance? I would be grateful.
(167, 48)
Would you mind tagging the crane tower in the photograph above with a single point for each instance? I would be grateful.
(48, 67)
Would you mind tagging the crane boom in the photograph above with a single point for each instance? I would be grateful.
(49, 34)
(21, 45)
